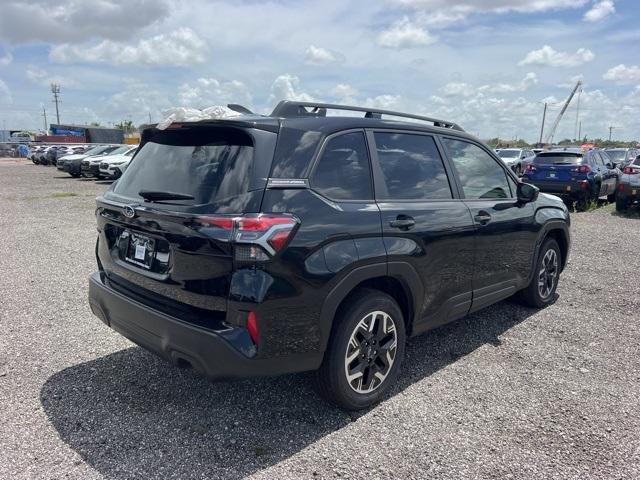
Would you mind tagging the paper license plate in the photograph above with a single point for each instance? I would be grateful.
(141, 250)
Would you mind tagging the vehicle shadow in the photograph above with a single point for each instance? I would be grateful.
(633, 212)
(130, 414)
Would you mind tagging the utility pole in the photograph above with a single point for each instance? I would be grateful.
(580, 131)
(44, 114)
(577, 114)
(150, 118)
(55, 89)
(544, 116)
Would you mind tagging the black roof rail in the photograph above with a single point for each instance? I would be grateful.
(287, 108)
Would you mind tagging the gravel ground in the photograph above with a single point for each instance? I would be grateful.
(508, 392)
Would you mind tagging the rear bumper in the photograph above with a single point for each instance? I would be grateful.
(562, 189)
(628, 191)
(217, 354)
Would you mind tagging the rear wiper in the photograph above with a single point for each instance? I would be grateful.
(156, 196)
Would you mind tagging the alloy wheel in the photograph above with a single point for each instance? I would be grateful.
(548, 274)
(371, 352)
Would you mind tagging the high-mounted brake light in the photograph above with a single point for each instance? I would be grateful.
(257, 237)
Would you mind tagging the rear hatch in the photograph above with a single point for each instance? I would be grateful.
(156, 238)
(555, 166)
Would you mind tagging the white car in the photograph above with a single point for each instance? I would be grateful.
(516, 158)
(112, 166)
(90, 166)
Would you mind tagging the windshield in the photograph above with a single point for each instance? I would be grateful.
(216, 170)
(616, 155)
(559, 158)
(96, 150)
(509, 153)
(120, 150)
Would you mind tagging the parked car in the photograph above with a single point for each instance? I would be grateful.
(266, 245)
(113, 166)
(90, 166)
(622, 156)
(575, 175)
(629, 186)
(34, 153)
(516, 158)
(72, 164)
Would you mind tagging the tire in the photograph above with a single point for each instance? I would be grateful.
(621, 204)
(538, 294)
(351, 336)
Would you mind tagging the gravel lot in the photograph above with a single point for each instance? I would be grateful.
(508, 392)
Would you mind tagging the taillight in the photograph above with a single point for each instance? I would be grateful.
(584, 169)
(631, 170)
(257, 237)
(530, 168)
(252, 327)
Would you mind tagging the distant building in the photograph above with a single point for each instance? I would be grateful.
(83, 134)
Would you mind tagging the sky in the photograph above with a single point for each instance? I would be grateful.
(488, 65)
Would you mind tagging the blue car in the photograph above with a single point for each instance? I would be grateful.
(574, 175)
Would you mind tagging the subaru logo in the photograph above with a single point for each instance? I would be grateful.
(129, 211)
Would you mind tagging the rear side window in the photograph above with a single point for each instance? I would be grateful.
(411, 166)
(343, 171)
(480, 175)
(208, 164)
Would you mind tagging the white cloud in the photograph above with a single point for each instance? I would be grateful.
(180, 47)
(6, 59)
(457, 89)
(493, 6)
(137, 100)
(321, 56)
(384, 102)
(286, 87)
(523, 85)
(343, 90)
(547, 56)
(5, 93)
(207, 92)
(404, 34)
(41, 77)
(76, 20)
(599, 11)
(623, 75)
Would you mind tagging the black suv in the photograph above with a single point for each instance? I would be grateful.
(264, 245)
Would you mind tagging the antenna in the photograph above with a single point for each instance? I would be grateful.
(55, 89)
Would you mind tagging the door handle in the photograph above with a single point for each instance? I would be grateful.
(403, 222)
(482, 218)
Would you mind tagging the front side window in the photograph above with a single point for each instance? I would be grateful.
(343, 171)
(411, 167)
(480, 175)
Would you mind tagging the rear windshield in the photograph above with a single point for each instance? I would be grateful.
(509, 153)
(208, 164)
(616, 155)
(559, 158)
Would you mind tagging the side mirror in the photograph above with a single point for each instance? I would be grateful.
(611, 165)
(527, 193)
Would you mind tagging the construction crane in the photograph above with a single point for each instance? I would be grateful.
(564, 109)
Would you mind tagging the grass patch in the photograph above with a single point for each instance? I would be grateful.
(261, 451)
